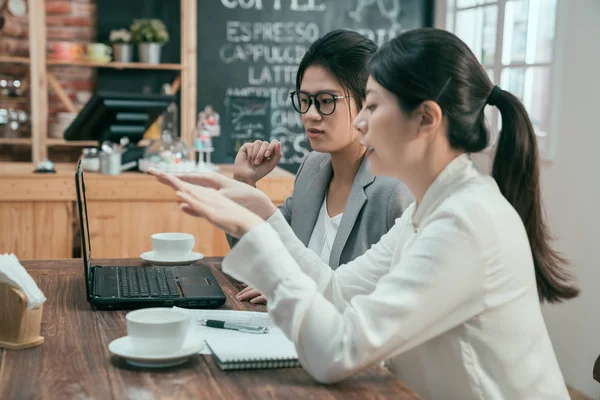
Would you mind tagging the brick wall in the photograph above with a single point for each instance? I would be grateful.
(66, 20)
(73, 21)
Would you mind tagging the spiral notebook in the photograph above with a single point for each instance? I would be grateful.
(254, 352)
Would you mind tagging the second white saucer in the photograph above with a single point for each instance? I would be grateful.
(122, 347)
(152, 259)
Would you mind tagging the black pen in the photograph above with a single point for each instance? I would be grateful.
(213, 323)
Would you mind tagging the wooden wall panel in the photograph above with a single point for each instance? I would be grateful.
(53, 230)
(37, 212)
(29, 188)
(123, 229)
(33, 230)
(16, 229)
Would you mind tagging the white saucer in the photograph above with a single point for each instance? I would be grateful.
(152, 259)
(122, 347)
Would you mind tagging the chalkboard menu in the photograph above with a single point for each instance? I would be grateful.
(252, 48)
(248, 119)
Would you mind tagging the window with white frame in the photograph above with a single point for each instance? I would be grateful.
(514, 41)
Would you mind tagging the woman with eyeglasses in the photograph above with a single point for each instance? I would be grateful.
(338, 208)
(450, 296)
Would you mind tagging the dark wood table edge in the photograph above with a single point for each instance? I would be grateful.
(71, 264)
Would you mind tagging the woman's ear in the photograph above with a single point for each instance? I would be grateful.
(431, 117)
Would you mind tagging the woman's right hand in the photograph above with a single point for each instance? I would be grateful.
(247, 196)
(255, 160)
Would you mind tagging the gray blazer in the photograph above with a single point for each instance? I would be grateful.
(371, 209)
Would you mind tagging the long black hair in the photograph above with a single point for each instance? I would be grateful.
(432, 64)
(345, 54)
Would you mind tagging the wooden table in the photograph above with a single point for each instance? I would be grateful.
(74, 362)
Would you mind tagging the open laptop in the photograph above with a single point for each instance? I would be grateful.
(120, 287)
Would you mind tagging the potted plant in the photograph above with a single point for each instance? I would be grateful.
(121, 43)
(150, 35)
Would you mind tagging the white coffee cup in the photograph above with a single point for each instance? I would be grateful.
(157, 330)
(172, 246)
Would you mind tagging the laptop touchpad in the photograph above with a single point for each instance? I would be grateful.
(194, 285)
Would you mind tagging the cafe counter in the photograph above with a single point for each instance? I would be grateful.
(39, 218)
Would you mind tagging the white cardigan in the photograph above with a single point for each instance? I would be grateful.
(447, 297)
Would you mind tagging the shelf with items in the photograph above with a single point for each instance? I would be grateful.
(115, 65)
(19, 141)
(14, 60)
(96, 64)
(54, 142)
(42, 80)
(50, 142)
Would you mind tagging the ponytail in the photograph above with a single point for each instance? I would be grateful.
(516, 170)
(432, 64)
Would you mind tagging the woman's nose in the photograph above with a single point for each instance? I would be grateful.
(360, 124)
(312, 112)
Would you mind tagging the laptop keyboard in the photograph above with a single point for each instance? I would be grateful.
(147, 282)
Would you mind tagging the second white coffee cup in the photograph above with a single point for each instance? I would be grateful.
(172, 246)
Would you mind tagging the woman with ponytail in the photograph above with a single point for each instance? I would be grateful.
(450, 296)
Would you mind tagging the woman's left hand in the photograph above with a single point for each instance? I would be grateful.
(208, 203)
(252, 295)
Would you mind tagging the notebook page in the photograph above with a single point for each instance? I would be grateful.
(253, 348)
(240, 317)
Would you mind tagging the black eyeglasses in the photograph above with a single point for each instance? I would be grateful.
(324, 102)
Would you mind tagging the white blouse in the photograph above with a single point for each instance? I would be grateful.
(447, 297)
(324, 233)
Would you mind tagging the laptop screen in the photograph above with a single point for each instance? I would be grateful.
(86, 247)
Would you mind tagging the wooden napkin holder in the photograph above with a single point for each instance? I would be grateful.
(19, 327)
